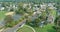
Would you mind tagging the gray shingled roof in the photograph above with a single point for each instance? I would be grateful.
(17, 17)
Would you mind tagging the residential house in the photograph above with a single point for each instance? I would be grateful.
(1, 8)
(43, 6)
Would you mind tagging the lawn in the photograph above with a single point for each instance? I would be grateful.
(47, 28)
(25, 29)
(2, 14)
(53, 12)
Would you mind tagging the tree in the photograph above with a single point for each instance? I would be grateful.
(36, 22)
(57, 24)
(8, 21)
(20, 10)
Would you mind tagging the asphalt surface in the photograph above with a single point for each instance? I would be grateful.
(2, 23)
(14, 29)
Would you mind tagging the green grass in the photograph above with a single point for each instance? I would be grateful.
(47, 28)
(25, 29)
(53, 12)
(2, 14)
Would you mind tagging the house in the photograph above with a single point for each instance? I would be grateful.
(25, 5)
(10, 13)
(29, 6)
(36, 8)
(50, 19)
(14, 16)
(58, 12)
(50, 4)
(43, 6)
(1, 8)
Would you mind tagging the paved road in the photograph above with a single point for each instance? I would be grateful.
(13, 29)
(2, 23)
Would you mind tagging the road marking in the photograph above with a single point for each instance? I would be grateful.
(30, 27)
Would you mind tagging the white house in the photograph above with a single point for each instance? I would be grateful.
(25, 5)
(50, 4)
(51, 19)
(29, 6)
(35, 8)
(1, 8)
(43, 6)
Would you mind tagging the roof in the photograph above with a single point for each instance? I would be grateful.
(17, 17)
(9, 13)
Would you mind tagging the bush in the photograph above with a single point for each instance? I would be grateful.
(8, 21)
(57, 23)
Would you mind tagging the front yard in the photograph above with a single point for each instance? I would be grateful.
(2, 14)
